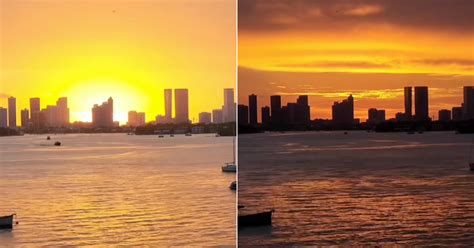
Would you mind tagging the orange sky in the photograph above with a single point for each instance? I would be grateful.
(131, 50)
(372, 49)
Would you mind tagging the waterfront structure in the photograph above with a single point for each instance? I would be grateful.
(266, 115)
(421, 103)
(25, 118)
(253, 109)
(35, 109)
(168, 118)
(136, 119)
(62, 112)
(444, 115)
(275, 111)
(343, 112)
(468, 103)
(229, 106)
(217, 116)
(243, 114)
(103, 115)
(12, 112)
(407, 94)
(456, 113)
(3, 117)
(205, 117)
(181, 105)
(376, 116)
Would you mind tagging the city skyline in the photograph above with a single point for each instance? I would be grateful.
(370, 49)
(132, 51)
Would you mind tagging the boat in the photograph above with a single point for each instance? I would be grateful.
(233, 185)
(48, 138)
(188, 134)
(231, 166)
(257, 219)
(161, 136)
(57, 143)
(6, 222)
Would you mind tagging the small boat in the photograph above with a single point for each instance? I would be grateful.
(57, 143)
(345, 133)
(229, 167)
(233, 185)
(161, 136)
(258, 219)
(48, 138)
(6, 222)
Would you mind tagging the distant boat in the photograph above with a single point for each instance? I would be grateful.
(188, 134)
(345, 132)
(231, 166)
(6, 222)
(218, 135)
(258, 219)
(161, 136)
(171, 135)
(57, 143)
(233, 185)
(48, 138)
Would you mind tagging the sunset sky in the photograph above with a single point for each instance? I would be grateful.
(372, 49)
(88, 50)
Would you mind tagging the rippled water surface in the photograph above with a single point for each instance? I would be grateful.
(117, 189)
(328, 188)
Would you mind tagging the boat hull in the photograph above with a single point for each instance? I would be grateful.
(6, 222)
(258, 219)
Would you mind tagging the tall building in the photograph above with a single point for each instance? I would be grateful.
(302, 110)
(376, 116)
(3, 117)
(103, 115)
(132, 119)
(217, 116)
(253, 109)
(25, 118)
(181, 105)
(468, 104)
(275, 111)
(35, 109)
(229, 105)
(205, 117)
(168, 105)
(343, 112)
(12, 112)
(408, 102)
(456, 113)
(421, 103)
(141, 120)
(243, 113)
(63, 112)
(266, 115)
(444, 115)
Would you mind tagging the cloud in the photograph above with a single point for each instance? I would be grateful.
(364, 10)
(4, 95)
(459, 62)
(338, 64)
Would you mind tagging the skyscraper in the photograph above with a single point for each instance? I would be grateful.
(103, 115)
(217, 116)
(253, 109)
(408, 102)
(25, 118)
(229, 105)
(181, 105)
(468, 104)
(62, 111)
(243, 113)
(444, 115)
(456, 113)
(302, 110)
(205, 117)
(421, 103)
(12, 112)
(35, 112)
(168, 105)
(376, 116)
(266, 115)
(275, 111)
(343, 112)
(3, 117)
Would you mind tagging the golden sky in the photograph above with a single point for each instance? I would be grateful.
(88, 50)
(372, 49)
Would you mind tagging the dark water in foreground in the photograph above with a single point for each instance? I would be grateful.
(114, 189)
(358, 189)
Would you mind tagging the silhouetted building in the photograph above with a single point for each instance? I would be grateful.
(25, 118)
(103, 115)
(444, 115)
(141, 119)
(12, 112)
(181, 105)
(275, 104)
(376, 116)
(456, 113)
(3, 117)
(343, 112)
(62, 112)
(168, 118)
(229, 105)
(468, 104)
(205, 117)
(266, 115)
(136, 119)
(400, 116)
(253, 109)
(35, 109)
(302, 115)
(408, 102)
(421, 103)
(217, 116)
(243, 113)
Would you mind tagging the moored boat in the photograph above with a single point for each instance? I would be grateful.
(6, 222)
(229, 167)
(57, 143)
(257, 219)
(233, 185)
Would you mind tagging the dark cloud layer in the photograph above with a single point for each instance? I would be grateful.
(280, 15)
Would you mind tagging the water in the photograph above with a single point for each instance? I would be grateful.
(117, 189)
(358, 189)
